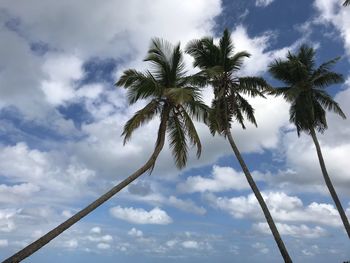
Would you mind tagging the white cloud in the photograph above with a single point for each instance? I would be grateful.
(283, 208)
(141, 216)
(103, 246)
(7, 223)
(312, 251)
(95, 230)
(171, 243)
(4, 243)
(263, 3)
(297, 231)
(60, 73)
(191, 244)
(72, 244)
(104, 238)
(67, 213)
(42, 172)
(222, 179)
(135, 232)
(257, 46)
(17, 192)
(331, 12)
(261, 247)
(186, 205)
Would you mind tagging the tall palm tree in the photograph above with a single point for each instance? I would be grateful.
(174, 97)
(306, 91)
(221, 64)
(347, 2)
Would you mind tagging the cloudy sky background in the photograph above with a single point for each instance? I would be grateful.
(61, 120)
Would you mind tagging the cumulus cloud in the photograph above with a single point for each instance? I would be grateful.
(103, 246)
(186, 205)
(263, 3)
(135, 232)
(17, 192)
(7, 223)
(72, 244)
(222, 179)
(331, 12)
(41, 172)
(95, 230)
(283, 208)
(258, 47)
(104, 238)
(4, 243)
(261, 247)
(297, 231)
(190, 244)
(140, 216)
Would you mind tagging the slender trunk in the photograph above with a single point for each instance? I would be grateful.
(39, 243)
(329, 184)
(261, 201)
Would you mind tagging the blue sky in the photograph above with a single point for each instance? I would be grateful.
(61, 120)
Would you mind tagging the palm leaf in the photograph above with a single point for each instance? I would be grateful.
(253, 86)
(140, 117)
(328, 103)
(192, 132)
(236, 61)
(139, 85)
(177, 140)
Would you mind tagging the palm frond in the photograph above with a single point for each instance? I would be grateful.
(328, 103)
(139, 85)
(281, 70)
(183, 95)
(214, 121)
(236, 61)
(225, 48)
(192, 132)
(346, 3)
(205, 53)
(159, 56)
(177, 70)
(246, 109)
(197, 110)
(140, 117)
(253, 86)
(306, 56)
(177, 140)
(326, 79)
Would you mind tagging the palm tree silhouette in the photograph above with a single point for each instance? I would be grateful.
(347, 2)
(174, 97)
(306, 91)
(221, 66)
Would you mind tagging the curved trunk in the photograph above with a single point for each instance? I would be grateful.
(261, 201)
(39, 243)
(329, 184)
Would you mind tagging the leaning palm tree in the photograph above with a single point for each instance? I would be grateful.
(221, 65)
(306, 91)
(347, 2)
(174, 97)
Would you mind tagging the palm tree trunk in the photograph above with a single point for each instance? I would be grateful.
(39, 243)
(260, 199)
(329, 184)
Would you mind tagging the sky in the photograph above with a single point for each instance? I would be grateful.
(61, 119)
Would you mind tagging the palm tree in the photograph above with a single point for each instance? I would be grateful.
(221, 65)
(174, 97)
(306, 91)
(347, 2)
